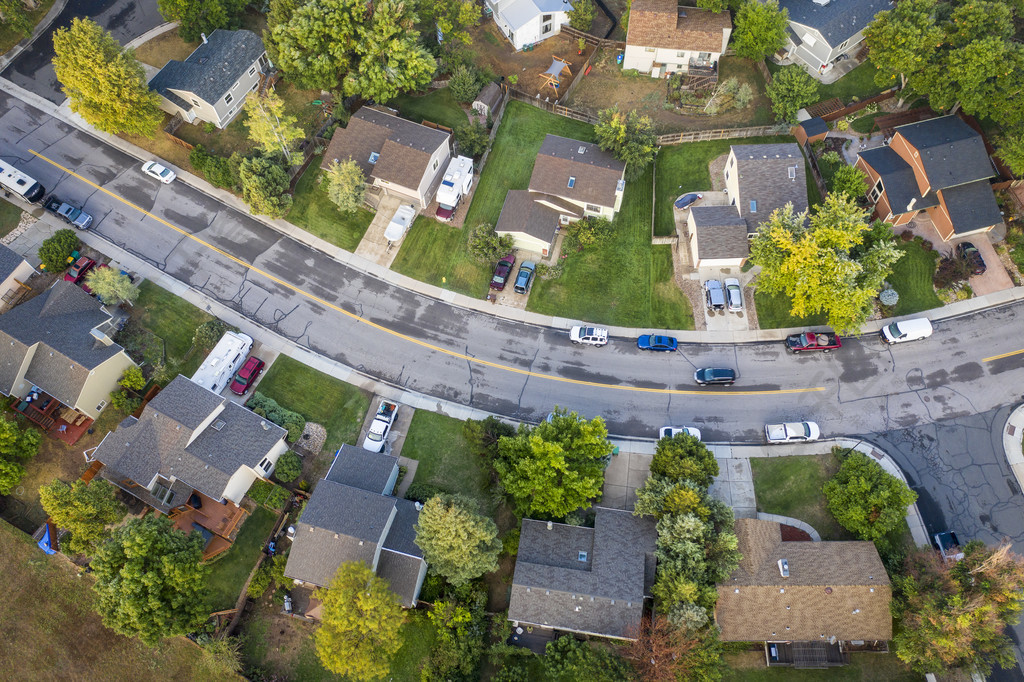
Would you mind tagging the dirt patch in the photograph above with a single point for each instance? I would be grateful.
(163, 48)
(273, 641)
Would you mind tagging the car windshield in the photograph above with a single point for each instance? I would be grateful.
(164, 172)
(371, 435)
(240, 379)
(807, 429)
(498, 279)
(894, 330)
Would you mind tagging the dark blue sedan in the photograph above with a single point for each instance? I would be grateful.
(652, 342)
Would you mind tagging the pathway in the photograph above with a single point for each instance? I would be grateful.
(374, 247)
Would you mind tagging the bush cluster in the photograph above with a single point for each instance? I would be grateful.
(288, 468)
(271, 496)
(219, 171)
(55, 251)
(293, 422)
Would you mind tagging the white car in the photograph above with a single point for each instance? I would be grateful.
(792, 432)
(733, 295)
(403, 218)
(671, 431)
(158, 172)
(590, 336)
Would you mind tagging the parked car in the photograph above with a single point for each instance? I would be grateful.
(383, 420)
(85, 287)
(715, 376)
(659, 343)
(714, 296)
(823, 341)
(247, 375)
(77, 271)
(589, 336)
(792, 432)
(158, 172)
(907, 330)
(948, 546)
(525, 277)
(68, 213)
(734, 294)
(400, 223)
(687, 199)
(969, 253)
(502, 272)
(671, 431)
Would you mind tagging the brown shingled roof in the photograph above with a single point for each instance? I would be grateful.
(834, 589)
(656, 23)
(597, 172)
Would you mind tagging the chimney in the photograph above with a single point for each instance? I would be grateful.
(910, 206)
(784, 567)
(204, 38)
(550, 525)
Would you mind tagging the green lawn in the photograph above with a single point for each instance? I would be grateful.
(228, 573)
(683, 168)
(437, 107)
(320, 398)
(436, 253)
(791, 486)
(8, 38)
(670, 309)
(10, 216)
(863, 667)
(445, 458)
(418, 636)
(170, 317)
(773, 312)
(315, 213)
(912, 279)
(859, 83)
(864, 124)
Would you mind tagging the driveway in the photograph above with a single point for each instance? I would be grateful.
(124, 19)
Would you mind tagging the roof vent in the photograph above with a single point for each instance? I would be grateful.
(263, 423)
(828, 590)
(419, 506)
(577, 608)
(855, 612)
(550, 525)
(582, 150)
(218, 425)
(784, 567)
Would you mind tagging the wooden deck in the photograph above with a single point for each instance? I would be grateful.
(222, 521)
(54, 418)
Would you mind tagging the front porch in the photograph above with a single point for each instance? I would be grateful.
(218, 522)
(53, 417)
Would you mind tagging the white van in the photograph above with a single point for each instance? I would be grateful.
(907, 330)
(223, 361)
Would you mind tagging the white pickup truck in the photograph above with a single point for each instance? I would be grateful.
(792, 432)
(376, 437)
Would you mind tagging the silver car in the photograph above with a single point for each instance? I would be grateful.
(734, 294)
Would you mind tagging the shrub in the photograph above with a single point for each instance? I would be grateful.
(133, 379)
(264, 186)
(271, 496)
(55, 251)
(217, 169)
(950, 271)
(472, 139)
(123, 402)
(464, 83)
(582, 15)
(293, 422)
(889, 297)
(486, 245)
(421, 492)
(842, 125)
(288, 468)
(208, 333)
(259, 583)
(906, 236)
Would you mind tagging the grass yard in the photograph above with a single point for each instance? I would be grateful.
(51, 630)
(773, 312)
(864, 667)
(163, 48)
(864, 124)
(446, 460)
(438, 106)
(315, 213)
(683, 168)
(436, 253)
(912, 278)
(859, 83)
(9, 38)
(320, 398)
(10, 216)
(229, 572)
(172, 320)
(617, 281)
(791, 486)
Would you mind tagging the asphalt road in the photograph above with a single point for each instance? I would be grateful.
(124, 19)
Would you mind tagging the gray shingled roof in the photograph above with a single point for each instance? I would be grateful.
(952, 153)
(602, 594)
(521, 213)
(60, 320)
(490, 96)
(9, 262)
(721, 232)
(362, 469)
(402, 536)
(898, 180)
(764, 178)
(838, 20)
(402, 573)
(186, 402)
(971, 207)
(213, 67)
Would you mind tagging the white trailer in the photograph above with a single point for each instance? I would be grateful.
(223, 361)
(457, 181)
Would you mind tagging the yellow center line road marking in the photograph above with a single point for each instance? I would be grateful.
(1004, 355)
(424, 344)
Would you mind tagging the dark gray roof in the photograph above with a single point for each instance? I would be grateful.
(402, 573)
(971, 207)
(213, 67)
(814, 126)
(164, 440)
(952, 153)
(402, 536)
(898, 180)
(721, 232)
(602, 594)
(764, 179)
(597, 173)
(9, 262)
(362, 469)
(490, 96)
(60, 320)
(836, 21)
(521, 213)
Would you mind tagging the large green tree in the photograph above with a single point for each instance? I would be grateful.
(684, 458)
(360, 629)
(458, 542)
(315, 46)
(391, 58)
(265, 186)
(196, 17)
(865, 499)
(270, 126)
(760, 29)
(567, 659)
(105, 83)
(85, 509)
(556, 467)
(902, 40)
(791, 89)
(111, 286)
(453, 18)
(849, 180)
(628, 137)
(811, 262)
(346, 185)
(151, 580)
(955, 615)
(17, 445)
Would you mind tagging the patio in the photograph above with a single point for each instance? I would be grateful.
(218, 523)
(54, 418)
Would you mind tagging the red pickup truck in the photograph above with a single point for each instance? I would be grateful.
(823, 341)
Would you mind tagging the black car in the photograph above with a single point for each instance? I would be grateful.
(503, 271)
(968, 253)
(715, 376)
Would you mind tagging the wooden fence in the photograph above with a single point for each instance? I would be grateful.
(552, 107)
(721, 134)
(593, 40)
(172, 127)
(763, 69)
(815, 171)
(857, 106)
(579, 77)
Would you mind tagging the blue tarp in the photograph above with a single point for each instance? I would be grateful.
(45, 543)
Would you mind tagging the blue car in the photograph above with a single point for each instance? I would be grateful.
(660, 343)
(687, 199)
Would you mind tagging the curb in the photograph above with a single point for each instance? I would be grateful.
(151, 33)
(41, 27)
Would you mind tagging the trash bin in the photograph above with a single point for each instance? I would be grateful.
(618, 59)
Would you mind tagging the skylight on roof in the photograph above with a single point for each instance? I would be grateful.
(620, 185)
(792, 172)
(572, 181)
(581, 556)
(374, 156)
(753, 206)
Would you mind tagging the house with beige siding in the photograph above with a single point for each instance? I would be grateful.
(396, 155)
(665, 38)
(213, 82)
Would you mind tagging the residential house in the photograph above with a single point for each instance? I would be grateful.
(810, 602)
(665, 38)
(526, 22)
(759, 178)
(822, 30)
(213, 82)
(57, 355)
(592, 581)
(14, 273)
(396, 155)
(570, 180)
(939, 167)
(193, 456)
(352, 515)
